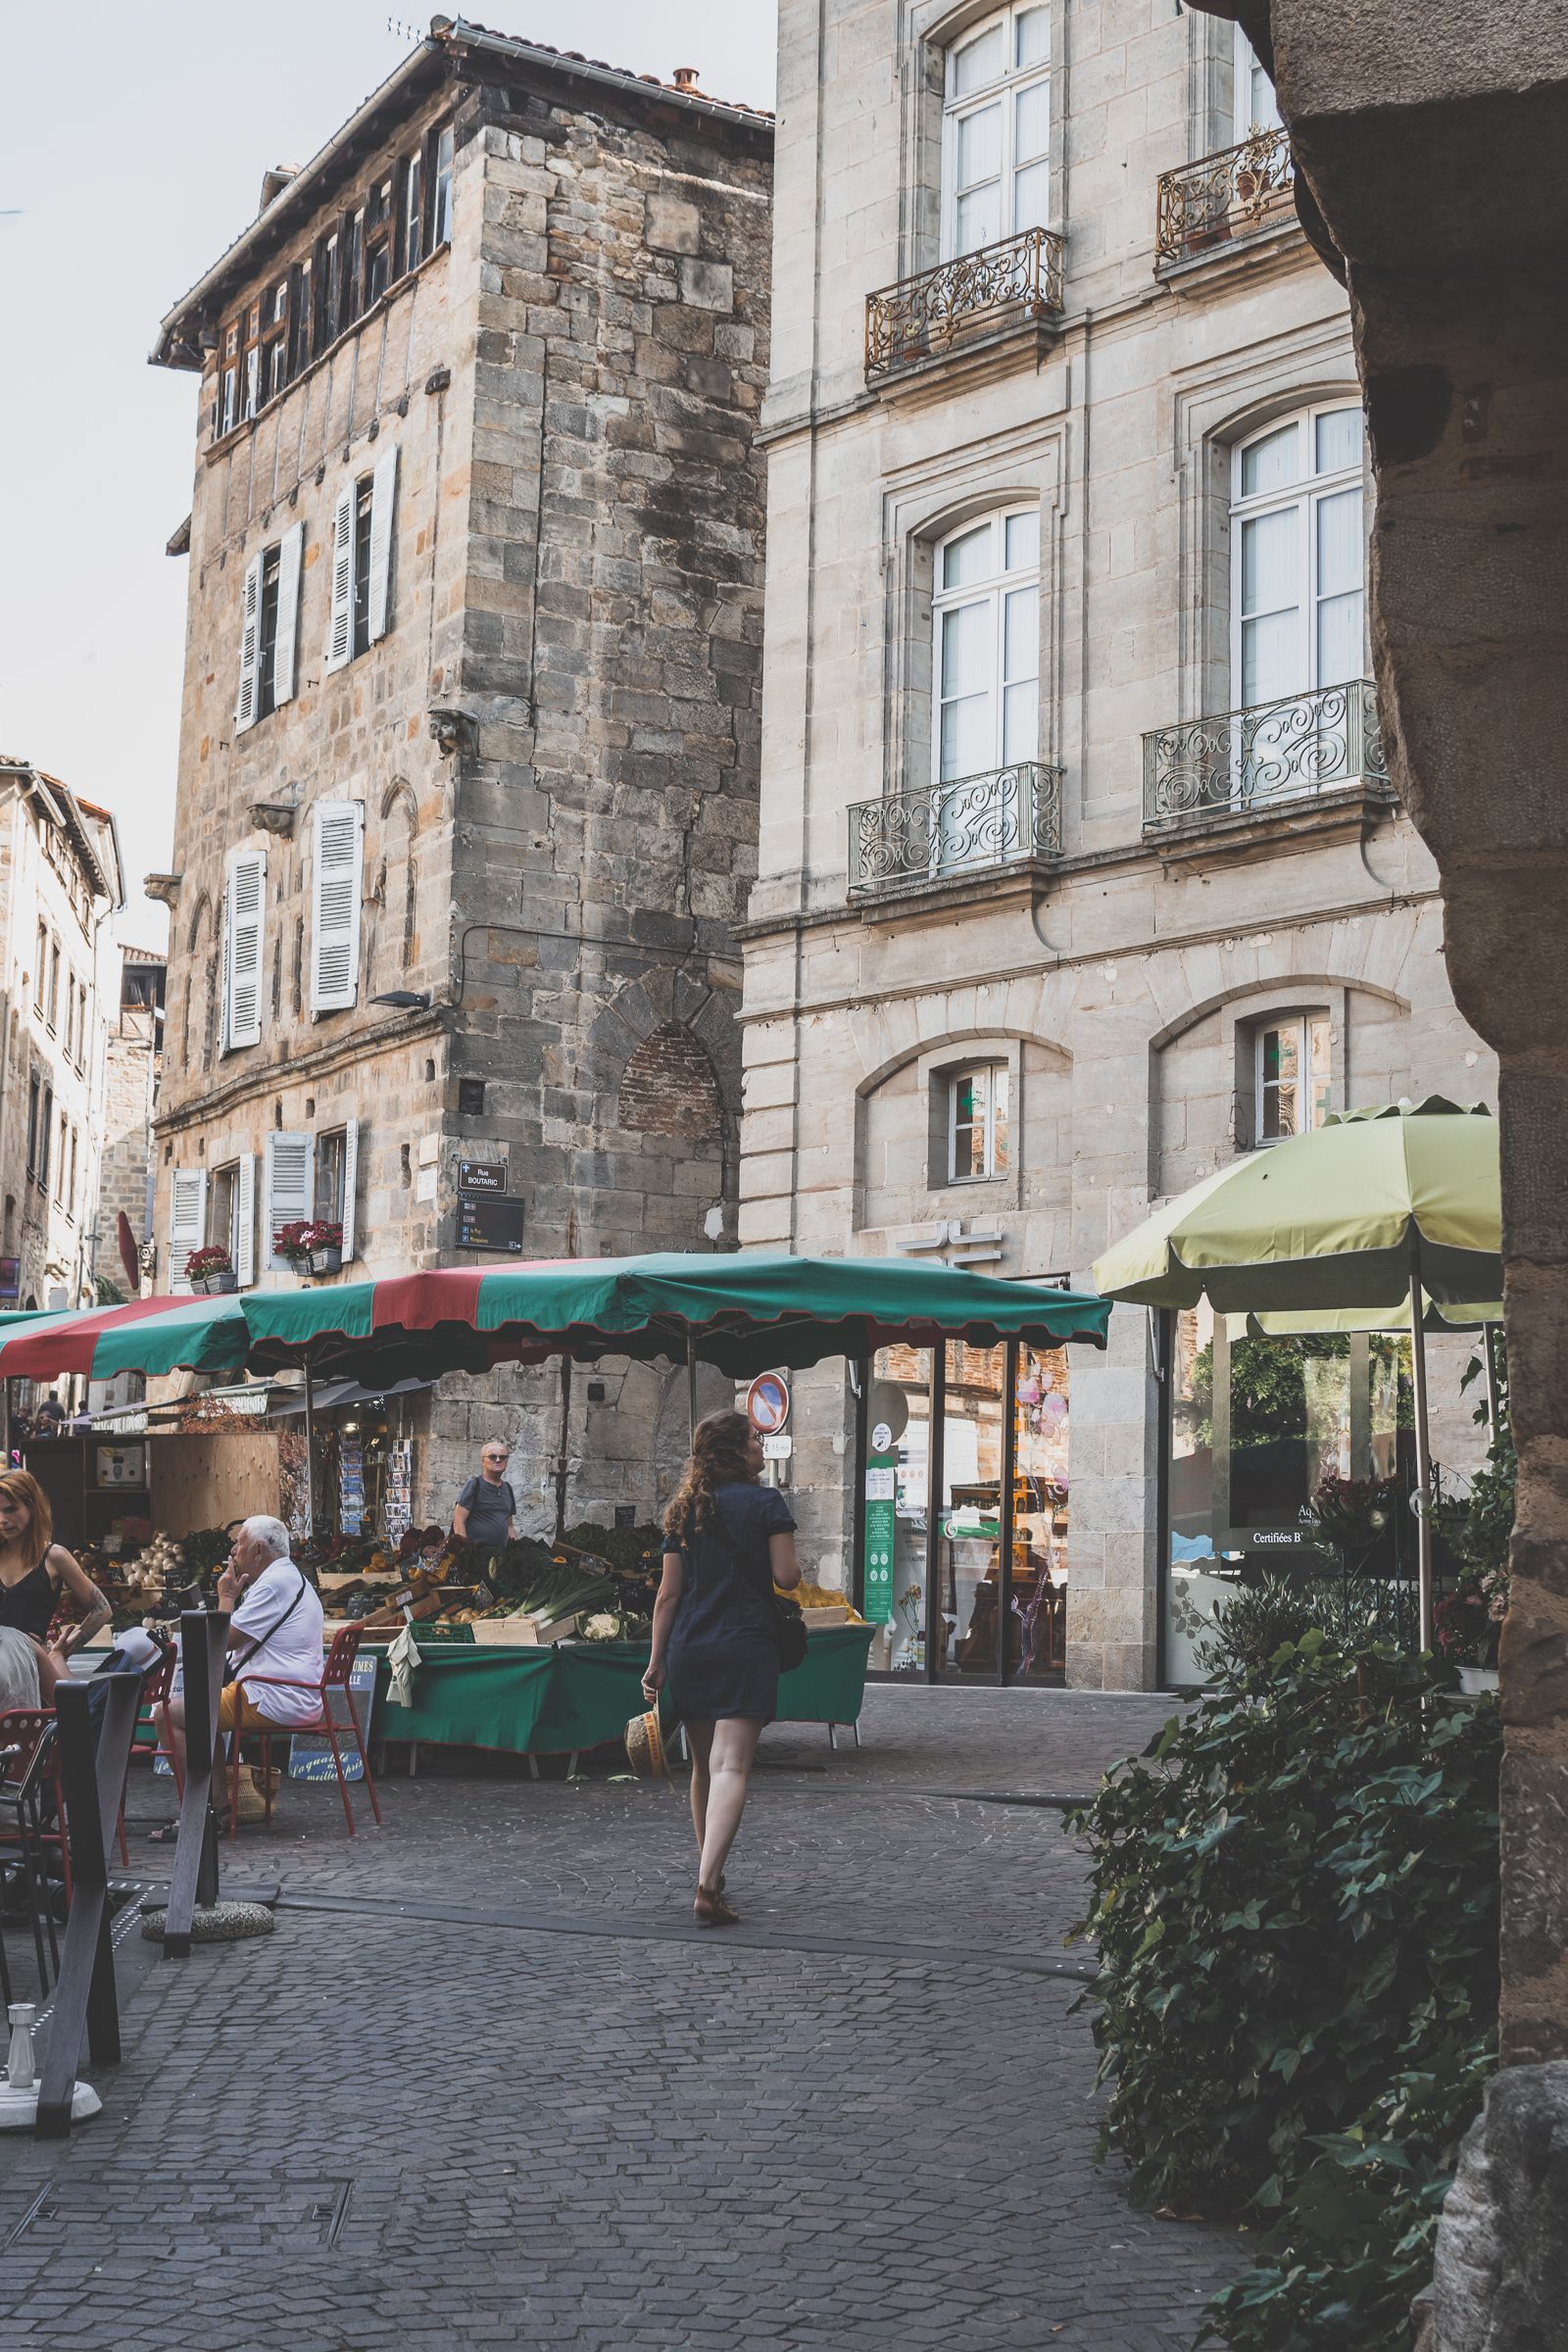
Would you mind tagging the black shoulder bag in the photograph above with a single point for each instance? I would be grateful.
(233, 1666)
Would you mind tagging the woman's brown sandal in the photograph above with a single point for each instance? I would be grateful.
(711, 1911)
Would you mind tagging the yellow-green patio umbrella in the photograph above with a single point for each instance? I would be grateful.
(1397, 1208)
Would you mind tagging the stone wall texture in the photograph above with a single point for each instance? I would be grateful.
(573, 388)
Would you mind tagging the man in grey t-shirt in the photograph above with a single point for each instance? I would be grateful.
(486, 1507)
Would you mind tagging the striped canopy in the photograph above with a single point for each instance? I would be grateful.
(744, 1313)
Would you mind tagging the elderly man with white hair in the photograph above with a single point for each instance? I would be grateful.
(275, 1629)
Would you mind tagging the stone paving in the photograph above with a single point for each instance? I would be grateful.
(487, 2084)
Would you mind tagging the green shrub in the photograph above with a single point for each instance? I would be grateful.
(1295, 1896)
(1258, 1619)
(1352, 2245)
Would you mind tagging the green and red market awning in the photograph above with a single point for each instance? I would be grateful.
(745, 1312)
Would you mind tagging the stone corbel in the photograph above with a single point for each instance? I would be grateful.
(276, 817)
(163, 886)
(453, 732)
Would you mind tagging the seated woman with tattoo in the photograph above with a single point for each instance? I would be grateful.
(34, 1572)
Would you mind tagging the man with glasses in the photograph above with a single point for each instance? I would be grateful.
(485, 1511)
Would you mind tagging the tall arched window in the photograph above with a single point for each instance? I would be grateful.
(986, 656)
(996, 171)
(1255, 106)
(1297, 557)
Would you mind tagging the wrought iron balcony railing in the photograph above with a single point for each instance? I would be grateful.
(923, 315)
(950, 831)
(1222, 196)
(1247, 762)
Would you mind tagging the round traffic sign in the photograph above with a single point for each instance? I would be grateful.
(767, 1402)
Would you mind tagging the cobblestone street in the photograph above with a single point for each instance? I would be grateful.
(488, 2084)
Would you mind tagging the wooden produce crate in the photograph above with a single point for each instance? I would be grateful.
(519, 1633)
(820, 1614)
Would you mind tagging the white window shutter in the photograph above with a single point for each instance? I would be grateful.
(250, 638)
(188, 1221)
(290, 1187)
(244, 928)
(383, 501)
(290, 555)
(340, 620)
(244, 1245)
(351, 1177)
(336, 884)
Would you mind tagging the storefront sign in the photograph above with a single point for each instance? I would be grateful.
(767, 1402)
(311, 1759)
(1272, 1538)
(881, 1500)
(485, 1223)
(481, 1176)
(778, 1446)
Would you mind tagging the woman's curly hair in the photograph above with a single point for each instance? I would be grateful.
(718, 1459)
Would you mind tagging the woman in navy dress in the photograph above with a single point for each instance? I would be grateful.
(728, 1541)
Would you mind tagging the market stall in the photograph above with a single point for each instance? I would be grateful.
(573, 1697)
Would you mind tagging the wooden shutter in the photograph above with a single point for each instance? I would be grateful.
(351, 1177)
(245, 1221)
(383, 501)
(250, 637)
(290, 554)
(336, 880)
(188, 1221)
(340, 620)
(290, 1187)
(244, 927)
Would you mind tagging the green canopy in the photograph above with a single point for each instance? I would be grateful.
(745, 1312)
(1348, 1215)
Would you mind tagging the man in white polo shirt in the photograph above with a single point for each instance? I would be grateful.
(275, 1629)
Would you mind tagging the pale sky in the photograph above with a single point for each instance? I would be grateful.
(135, 141)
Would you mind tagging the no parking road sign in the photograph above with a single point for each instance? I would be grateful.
(767, 1403)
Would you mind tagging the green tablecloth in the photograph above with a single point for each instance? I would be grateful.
(550, 1701)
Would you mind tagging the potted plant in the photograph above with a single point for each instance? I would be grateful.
(314, 1244)
(1467, 1622)
(211, 1270)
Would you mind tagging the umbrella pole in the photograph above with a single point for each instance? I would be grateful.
(1423, 1462)
(5, 1422)
(561, 1454)
(1488, 1340)
(310, 1456)
(691, 1388)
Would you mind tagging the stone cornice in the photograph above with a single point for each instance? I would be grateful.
(266, 1077)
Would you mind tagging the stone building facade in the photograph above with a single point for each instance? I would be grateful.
(61, 883)
(470, 746)
(1081, 869)
(133, 1052)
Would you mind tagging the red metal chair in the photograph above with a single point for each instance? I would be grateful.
(21, 1730)
(156, 1691)
(335, 1677)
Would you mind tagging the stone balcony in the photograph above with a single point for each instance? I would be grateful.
(1006, 822)
(1320, 752)
(1221, 199)
(972, 299)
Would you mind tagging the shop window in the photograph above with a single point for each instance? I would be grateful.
(1287, 1458)
(986, 663)
(963, 1548)
(996, 176)
(1298, 558)
(977, 1137)
(1289, 1076)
